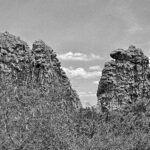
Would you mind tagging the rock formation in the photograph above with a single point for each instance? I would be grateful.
(37, 67)
(125, 80)
(36, 97)
(47, 70)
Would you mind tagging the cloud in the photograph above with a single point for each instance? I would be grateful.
(78, 56)
(88, 98)
(81, 72)
(95, 82)
(86, 94)
(95, 68)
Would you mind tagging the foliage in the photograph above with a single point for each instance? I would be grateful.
(32, 121)
(39, 110)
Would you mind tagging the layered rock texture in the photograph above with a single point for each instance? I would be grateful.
(36, 97)
(125, 80)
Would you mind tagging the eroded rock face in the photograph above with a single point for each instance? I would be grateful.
(13, 52)
(125, 79)
(49, 74)
(36, 97)
(38, 68)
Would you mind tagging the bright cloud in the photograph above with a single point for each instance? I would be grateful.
(95, 67)
(81, 72)
(95, 82)
(78, 56)
(88, 98)
(86, 94)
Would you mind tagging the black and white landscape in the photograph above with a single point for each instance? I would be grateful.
(74, 75)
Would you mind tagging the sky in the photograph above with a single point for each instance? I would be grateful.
(82, 32)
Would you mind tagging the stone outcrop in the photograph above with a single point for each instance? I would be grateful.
(37, 101)
(47, 71)
(125, 80)
(36, 68)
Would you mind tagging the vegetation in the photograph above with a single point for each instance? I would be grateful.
(33, 121)
(115, 130)
(39, 110)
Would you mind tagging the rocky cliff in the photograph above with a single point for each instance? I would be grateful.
(37, 68)
(36, 97)
(125, 80)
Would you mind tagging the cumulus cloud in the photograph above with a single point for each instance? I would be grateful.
(95, 82)
(88, 98)
(95, 67)
(86, 94)
(81, 72)
(78, 56)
